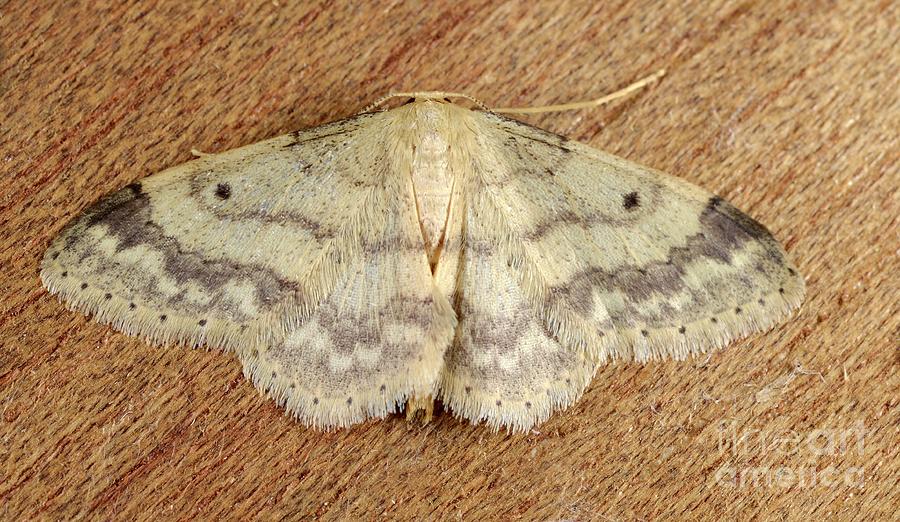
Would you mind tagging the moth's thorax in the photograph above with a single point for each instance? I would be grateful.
(431, 174)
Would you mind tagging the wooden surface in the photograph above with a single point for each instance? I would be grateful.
(789, 109)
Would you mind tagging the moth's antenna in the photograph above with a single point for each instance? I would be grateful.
(640, 84)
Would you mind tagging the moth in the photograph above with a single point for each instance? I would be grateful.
(432, 250)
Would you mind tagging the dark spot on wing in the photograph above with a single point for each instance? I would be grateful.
(223, 191)
(631, 201)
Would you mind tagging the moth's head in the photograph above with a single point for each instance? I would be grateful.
(430, 97)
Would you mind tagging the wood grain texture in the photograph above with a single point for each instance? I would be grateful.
(789, 109)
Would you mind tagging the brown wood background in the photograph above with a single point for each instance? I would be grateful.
(789, 109)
